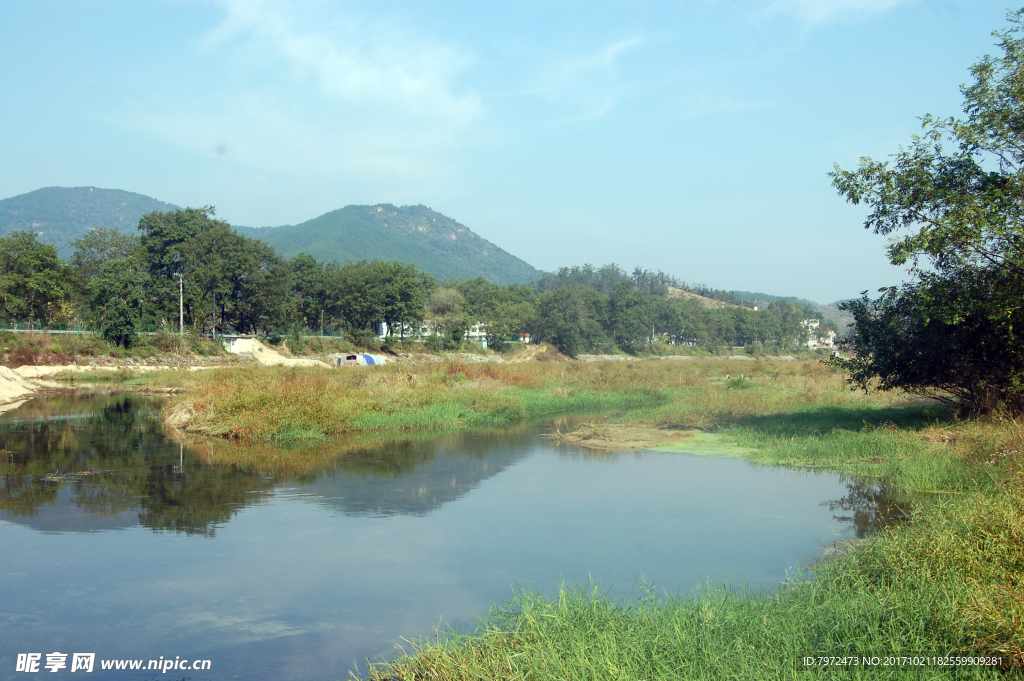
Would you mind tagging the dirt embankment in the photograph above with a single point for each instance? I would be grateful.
(14, 389)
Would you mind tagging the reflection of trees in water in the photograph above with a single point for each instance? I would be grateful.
(869, 506)
(110, 452)
(382, 476)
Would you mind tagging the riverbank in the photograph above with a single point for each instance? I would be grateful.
(267, 404)
(947, 582)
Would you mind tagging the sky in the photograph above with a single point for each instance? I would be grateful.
(693, 137)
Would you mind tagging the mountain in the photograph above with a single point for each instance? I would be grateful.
(59, 215)
(417, 234)
(436, 243)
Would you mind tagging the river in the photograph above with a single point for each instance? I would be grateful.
(300, 563)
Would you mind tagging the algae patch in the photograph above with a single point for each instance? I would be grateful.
(701, 443)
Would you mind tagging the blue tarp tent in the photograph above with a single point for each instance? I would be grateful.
(361, 359)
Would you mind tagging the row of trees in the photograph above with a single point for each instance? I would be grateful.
(228, 282)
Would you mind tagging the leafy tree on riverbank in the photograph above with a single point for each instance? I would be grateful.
(955, 330)
(34, 283)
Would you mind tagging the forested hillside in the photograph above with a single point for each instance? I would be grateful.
(434, 242)
(223, 281)
(60, 215)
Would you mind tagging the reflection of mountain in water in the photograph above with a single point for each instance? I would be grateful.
(445, 469)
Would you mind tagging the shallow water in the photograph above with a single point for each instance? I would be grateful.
(299, 564)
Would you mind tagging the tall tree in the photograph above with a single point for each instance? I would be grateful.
(570, 318)
(953, 204)
(116, 294)
(631, 322)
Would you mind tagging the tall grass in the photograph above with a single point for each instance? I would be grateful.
(280, 404)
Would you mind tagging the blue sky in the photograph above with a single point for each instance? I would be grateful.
(691, 136)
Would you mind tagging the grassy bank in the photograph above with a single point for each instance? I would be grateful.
(950, 581)
(268, 404)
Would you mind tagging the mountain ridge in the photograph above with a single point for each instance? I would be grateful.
(436, 243)
(445, 248)
(60, 215)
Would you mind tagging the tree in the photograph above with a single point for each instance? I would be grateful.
(99, 246)
(447, 316)
(957, 218)
(34, 282)
(244, 278)
(311, 283)
(568, 318)
(404, 293)
(116, 294)
(630, 317)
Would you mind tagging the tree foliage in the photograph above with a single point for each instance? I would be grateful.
(34, 283)
(953, 205)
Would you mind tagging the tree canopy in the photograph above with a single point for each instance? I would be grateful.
(952, 203)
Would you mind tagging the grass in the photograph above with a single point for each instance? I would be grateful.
(61, 349)
(278, 404)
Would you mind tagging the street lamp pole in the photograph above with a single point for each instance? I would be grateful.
(181, 304)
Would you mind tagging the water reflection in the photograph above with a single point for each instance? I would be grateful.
(869, 506)
(80, 463)
(83, 463)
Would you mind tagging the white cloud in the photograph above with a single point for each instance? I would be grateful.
(813, 13)
(308, 87)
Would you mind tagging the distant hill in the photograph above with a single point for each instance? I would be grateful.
(831, 311)
(436, 243)
(60, 215)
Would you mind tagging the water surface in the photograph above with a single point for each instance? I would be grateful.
(298, 564)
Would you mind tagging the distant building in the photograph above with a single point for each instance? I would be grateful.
(817, 338)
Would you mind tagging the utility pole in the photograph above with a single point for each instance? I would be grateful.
(321, 322)
(181, 304)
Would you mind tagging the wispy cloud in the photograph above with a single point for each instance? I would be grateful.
(700, 106)
(310, 87)
(588, 84)
(812, 13)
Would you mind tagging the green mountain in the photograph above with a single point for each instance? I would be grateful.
(436, 243)
(59, 215)
(417, 234)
